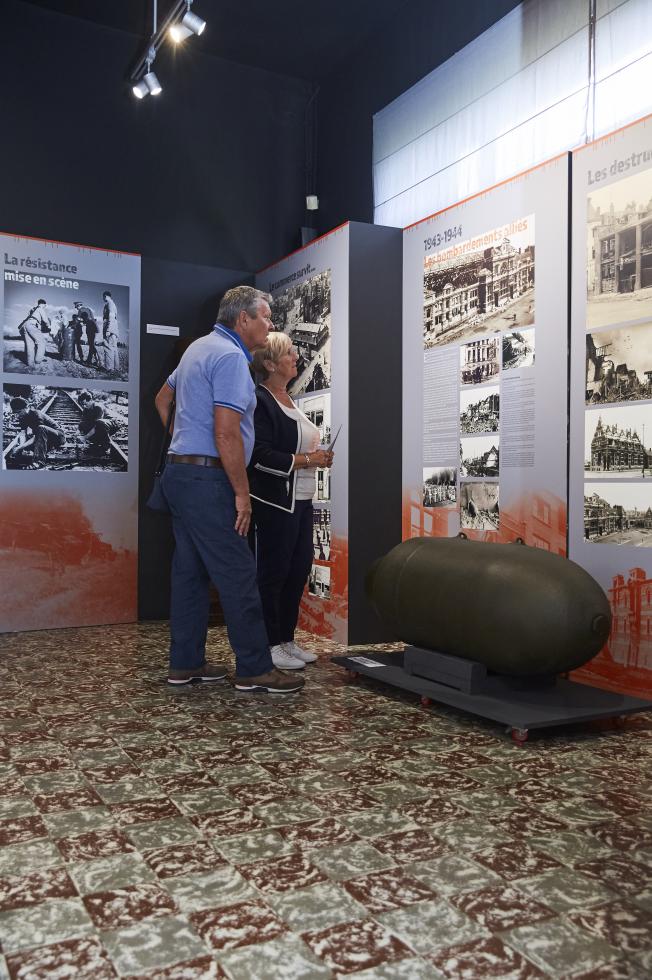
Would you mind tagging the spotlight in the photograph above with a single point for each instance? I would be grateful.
(312, 202)
(189, 24)
(140, 89)
(193, 23)
(152, 83)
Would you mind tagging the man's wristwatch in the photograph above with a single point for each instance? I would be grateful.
(307, 459)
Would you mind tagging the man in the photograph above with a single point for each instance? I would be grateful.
(111, 333)
(33, 329)
(205, 484)
(87, 317)
(46, 434)
(77, 330)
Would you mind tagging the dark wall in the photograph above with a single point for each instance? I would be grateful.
(211, 171)
(176, 295)
(403, 50)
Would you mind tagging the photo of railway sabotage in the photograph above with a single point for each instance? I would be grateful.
(303, 312)
(80, 333)
(48, 428)
(479, 508)
(73, 562)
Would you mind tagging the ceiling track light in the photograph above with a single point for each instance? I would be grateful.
(180, 24)
(189, 24)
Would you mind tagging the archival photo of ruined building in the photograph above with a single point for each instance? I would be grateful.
(480, 289)
(303, 312)
(619, 251)
(480, 456)
(619, 365)
(618, 513)
(479, 410)
(479, 509)
(518, 349)
(479, 361)
(617, 442)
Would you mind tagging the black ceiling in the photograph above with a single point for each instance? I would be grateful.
(301, 38)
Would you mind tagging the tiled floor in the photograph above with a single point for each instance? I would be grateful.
(198, 833)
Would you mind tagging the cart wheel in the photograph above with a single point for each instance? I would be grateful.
(426, 702)
(520, 736)
(350, 676)
(619, 721)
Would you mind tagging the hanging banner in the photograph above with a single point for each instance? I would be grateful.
(485, 365)
(610, 507)
(311, 305)
(69, 478)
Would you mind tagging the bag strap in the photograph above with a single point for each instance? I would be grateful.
(162, 453)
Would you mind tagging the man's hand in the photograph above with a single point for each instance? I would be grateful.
(243, 513)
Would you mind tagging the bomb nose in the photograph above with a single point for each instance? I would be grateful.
(600, 626)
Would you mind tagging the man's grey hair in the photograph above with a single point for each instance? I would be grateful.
(238, 299)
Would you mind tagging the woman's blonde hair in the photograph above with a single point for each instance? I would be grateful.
(278, 344)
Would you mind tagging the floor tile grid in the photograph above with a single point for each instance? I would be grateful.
(157, 730)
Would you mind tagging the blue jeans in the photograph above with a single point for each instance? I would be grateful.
(208, 548)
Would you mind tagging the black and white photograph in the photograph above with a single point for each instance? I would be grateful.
(321, 534)
(479, 361)
(479, 410)
(619, 365)
(319, 581)
(618, 513)
(486, 285)
(82, 333)
(323, 484)
(480, 456)
(318, 410)
(303, 312)
(617, 442)
(619, 251)
(518, 349)
(439, 486)
(479, 509)
(52, 428)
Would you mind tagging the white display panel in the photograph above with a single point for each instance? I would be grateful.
(610, 505)
(70, 393)
(310, 291)
(485, 365)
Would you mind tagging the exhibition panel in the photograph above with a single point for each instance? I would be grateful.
(610, 506)
(347, 334)
(69, 477)
(485, 365)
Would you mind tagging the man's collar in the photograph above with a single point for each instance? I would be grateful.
(232, 335)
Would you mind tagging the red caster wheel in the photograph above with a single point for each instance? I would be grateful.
(426, 702)
(520, 736)
(350, 676)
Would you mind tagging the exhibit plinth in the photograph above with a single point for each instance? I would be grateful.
(561, 702)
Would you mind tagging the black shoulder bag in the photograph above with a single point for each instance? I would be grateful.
(157, 500)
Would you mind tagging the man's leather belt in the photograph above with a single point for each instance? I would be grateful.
(196, 460)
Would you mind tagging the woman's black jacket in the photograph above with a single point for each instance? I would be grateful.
(271, 477)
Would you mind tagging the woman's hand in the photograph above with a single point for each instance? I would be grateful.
(321, 458)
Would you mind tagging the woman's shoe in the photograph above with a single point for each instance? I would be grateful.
(282, 658)
(305, 656)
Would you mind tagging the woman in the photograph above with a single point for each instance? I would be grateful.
(282, 484)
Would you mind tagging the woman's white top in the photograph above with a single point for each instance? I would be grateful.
(308, 443)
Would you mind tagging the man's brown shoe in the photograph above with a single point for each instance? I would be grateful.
(207, 672)
(273, 682)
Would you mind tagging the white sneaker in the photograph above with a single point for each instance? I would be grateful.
(305, 656)
(281, 657)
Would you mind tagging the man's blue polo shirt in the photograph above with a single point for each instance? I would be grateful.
(213, 371)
